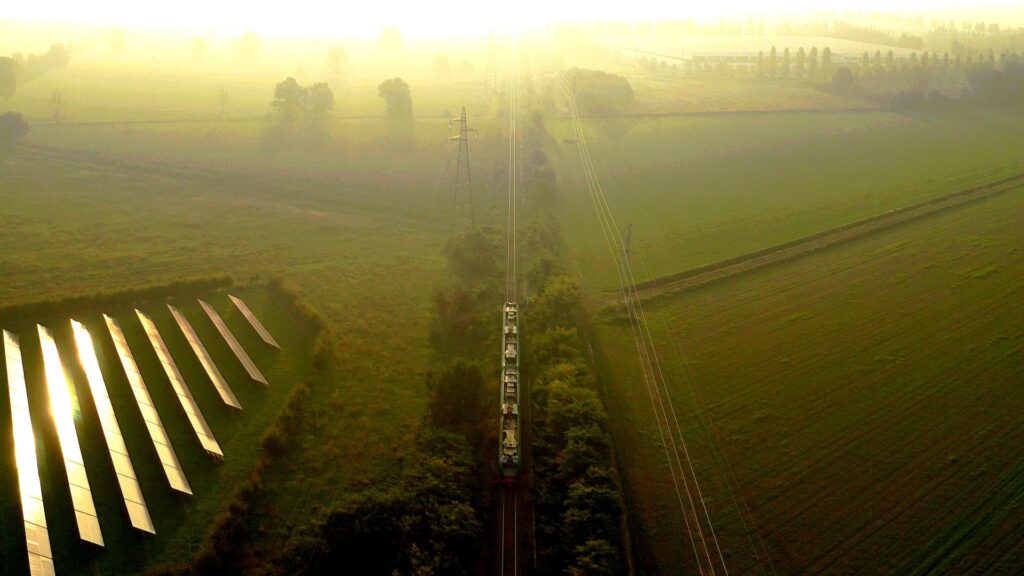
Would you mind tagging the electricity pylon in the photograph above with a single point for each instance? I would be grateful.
(463, 139)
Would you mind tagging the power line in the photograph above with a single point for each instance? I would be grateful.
(647, 351)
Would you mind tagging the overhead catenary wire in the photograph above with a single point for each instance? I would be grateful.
(650, 362)
(513, 163)
(641, 348)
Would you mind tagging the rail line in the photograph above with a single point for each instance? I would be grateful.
(510, 437)
(509, 540)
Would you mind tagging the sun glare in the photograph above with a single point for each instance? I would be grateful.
(432, 20)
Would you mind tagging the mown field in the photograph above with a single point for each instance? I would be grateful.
(181, 521)
(702, 189)
(866, 399)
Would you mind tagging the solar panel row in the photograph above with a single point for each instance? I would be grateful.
(204, 358)
(61, 408)
(62, 400)
(126, 479)
(240, 352)
(37, 537)
(254, 321)
(155, 427)
(195, 416)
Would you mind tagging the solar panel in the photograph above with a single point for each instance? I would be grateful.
(204, 357)
(254, 321)
(202, 429)
(169, 461)
(62, 404)
(243, 357)
(37, 537)
(126, 479)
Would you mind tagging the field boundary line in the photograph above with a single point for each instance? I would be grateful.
(723, 269)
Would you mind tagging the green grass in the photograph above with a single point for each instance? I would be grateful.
(866, 397)
(181, 522)
(699, 190)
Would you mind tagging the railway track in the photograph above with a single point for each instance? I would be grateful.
(508, 543)
(510, 441)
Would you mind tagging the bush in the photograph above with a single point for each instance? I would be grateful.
(12, 128)
(599, 92)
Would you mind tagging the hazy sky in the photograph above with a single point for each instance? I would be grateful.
(444, 17)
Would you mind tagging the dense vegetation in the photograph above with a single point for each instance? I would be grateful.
(600, 92)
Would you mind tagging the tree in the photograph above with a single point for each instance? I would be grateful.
(397, 98)
(760, 63)
(773, 62)
(600, 92)
(222, 100)
(250, 47)
(843, 83)
(801, 62)
(57, 106)
(337, 59)
(12, 128)
(442, 67)
(289, 100)
(785, 63)
(8, 81)
(320, 106)
(826, 59)
(812, 62)
(301, 111)
(456, 398)
(390, 41)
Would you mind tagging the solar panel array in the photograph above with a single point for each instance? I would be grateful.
(204, 358)
(126, 479)
(61, 407)
(155, 427)
(37, 536)
(240, 352)
(254, 321)
(195, 416)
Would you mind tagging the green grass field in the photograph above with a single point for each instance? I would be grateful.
(181, 522)
(700, 190)
(866, 398)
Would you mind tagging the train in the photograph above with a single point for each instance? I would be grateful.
(509, 441)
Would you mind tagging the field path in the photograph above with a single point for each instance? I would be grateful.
(723, 269)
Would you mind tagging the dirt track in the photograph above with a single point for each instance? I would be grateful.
(714, 272)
